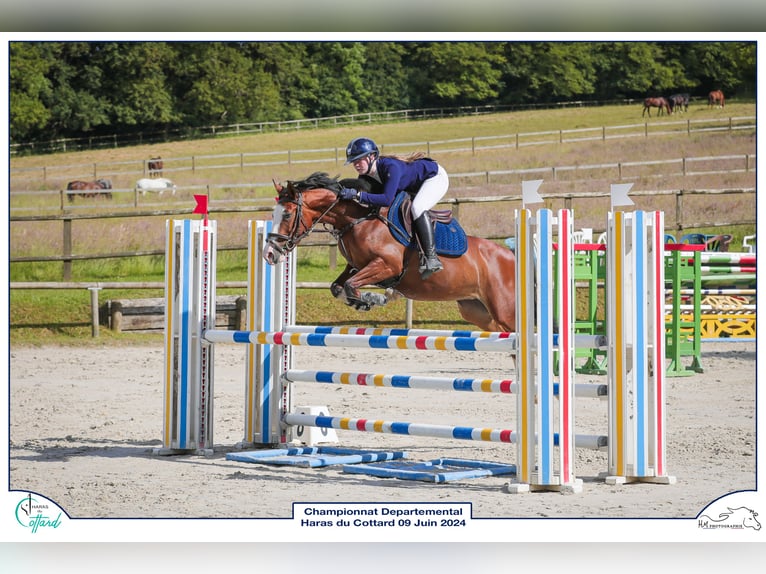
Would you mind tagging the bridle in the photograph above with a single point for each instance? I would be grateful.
(283, 244)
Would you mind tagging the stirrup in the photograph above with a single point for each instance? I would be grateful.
(429, 266)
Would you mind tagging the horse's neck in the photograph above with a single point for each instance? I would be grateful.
(348, 213)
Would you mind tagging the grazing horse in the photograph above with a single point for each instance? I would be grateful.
(159, 185)
(715, 98)
(89, 189)
(155, 167)
(482, 280)
(660, 103)
(679, 102)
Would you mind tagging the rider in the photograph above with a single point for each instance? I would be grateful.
(416, 174)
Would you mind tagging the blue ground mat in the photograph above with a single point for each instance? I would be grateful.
(313, 456)
(439, 470)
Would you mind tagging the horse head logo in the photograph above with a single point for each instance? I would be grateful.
(741, 517)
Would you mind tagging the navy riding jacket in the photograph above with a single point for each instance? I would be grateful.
(397, 175)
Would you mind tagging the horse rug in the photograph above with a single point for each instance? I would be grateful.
(449, 236)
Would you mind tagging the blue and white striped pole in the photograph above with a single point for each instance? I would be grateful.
(189, 309)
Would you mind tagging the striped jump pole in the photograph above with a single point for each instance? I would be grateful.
(636, 355)
(593, 442)
(189, 311)
(462, 384)
(540, 417)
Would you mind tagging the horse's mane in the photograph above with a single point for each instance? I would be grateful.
(322, 180)
(317, 180)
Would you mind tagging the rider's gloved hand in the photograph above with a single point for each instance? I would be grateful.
(348, 193)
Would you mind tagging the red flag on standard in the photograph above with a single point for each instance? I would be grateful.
(201, 206)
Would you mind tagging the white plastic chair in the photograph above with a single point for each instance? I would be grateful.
(748, 243)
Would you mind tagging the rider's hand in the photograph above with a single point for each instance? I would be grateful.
(348, 193)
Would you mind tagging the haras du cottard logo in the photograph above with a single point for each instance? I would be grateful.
(37, 513)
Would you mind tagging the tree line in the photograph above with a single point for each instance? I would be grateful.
(81, 89)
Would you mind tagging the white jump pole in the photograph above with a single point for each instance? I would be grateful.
(270, 307)
(636, 332)
(189, 310)
(540, 415)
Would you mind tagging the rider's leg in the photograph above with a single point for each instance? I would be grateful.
(429, 262)
(428, 195)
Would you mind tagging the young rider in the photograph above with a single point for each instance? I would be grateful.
(416, 174)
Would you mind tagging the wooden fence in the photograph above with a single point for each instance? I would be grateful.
(58, 200)
(24, 178)
(365, 118)
(674, 221)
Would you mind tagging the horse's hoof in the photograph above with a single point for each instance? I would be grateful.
(373, 298)
(336, 290)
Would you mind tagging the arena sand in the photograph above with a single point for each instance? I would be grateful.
(84, 423)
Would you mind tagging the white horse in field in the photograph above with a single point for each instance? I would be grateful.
(155, 185)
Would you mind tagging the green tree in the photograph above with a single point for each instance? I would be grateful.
(219, 83)
(337, 68)
(137, 83)
(287, 66)
(79, 102)
(384, 77)
(547, 71)
(633, 69)
(720, 65)
(455, 74)
(30, 89)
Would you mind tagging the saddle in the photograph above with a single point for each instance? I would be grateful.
(449, 236)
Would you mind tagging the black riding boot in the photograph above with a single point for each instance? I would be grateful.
(429, 262)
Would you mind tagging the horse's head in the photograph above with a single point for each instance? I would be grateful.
(301, 206)
(748, 518)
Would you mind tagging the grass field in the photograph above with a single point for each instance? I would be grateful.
(63, 316)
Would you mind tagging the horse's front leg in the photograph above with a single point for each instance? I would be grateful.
(371, 274)
(336, 287)
(353, 297)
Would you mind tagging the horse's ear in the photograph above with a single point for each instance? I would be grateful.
(277, 185)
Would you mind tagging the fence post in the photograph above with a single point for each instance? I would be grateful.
(67, 249)
(94, 310)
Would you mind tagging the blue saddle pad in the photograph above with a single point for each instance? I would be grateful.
(449, 237)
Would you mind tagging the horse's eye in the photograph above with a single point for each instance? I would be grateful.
(286, 216)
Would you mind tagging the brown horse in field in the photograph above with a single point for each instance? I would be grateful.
(89, 189)
(660, 103)
(482, 280)
(155, 167)
(715, 98)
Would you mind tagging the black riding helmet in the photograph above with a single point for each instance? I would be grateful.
(359, 148)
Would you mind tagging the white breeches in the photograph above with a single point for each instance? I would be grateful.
(432, 190)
